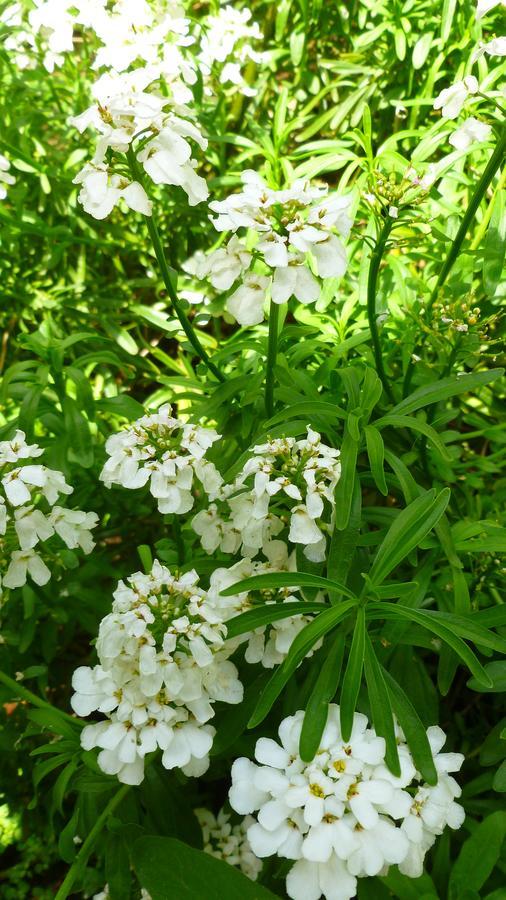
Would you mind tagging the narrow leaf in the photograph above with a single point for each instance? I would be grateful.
(315, 717)
(413, 728)
(301, 646)
(381, 709)
(353, 675)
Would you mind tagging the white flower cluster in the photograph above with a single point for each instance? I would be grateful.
(292, 227)
(226, 45)
(5, 176)
(229, 842)
(344, 815)
(285, 484)
(166, 452)
(130, 113)
(30, 516)
(49, 26)
(268, 644)
(452, 100)
(162, 665)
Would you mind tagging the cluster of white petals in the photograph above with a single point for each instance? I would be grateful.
(5, 176)
(30, 515)
(343, 816)
(226, 46)
(229, 842)
(138, 111)
(285, 485)
(296, 245)
(168, 454)
(162, 665)
(268, 644)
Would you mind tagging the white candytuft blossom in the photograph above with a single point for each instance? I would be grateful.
(343, 816)
(162, 665)
(225, 47)
(470, 132)
(286, 484)
(5, 176)
(167, 453)
(29, 516)
(132, 113)
(451, 100)
(228, 842)
(296, 245)
(269, 644)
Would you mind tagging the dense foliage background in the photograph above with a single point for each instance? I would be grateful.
(342, 93)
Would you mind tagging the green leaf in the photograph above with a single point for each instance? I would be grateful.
(315, 716)
(52, 720)
(413, 728)
(117, 867)
(122, 405)
(353, 675)
(77, 431)
(265, 614)
(407, 531)
(301, 646)
(344, 488)
(496, 673)
(409, 422)
(344, 543)
(448, 13)
(169, 869)
(444, 389)
(432, 623)
(376, 454)
(284, 579)
(381, 710)
(479, 855)
(499, 783)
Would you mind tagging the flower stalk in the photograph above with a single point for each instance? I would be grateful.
(167, 280)
(87, 847)
(272, 352)
(480, 190)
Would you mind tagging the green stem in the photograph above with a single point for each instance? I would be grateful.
(372, 285)
(272, 350)
(480, 190)
(19, 691)
(167, 279)
(88, 845)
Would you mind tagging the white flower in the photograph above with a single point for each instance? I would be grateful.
(168, 454)
(74, 527)
(451, 100)
(22, 564)
(225, 265)
(343, 815)
(101, 191)
(162, 666)
(227, 841)
(495, 47)
(31, 526)
(470, 132)
(246, 304)
(17, 448)
(5, 177)
(296, 280)
(310, 881)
